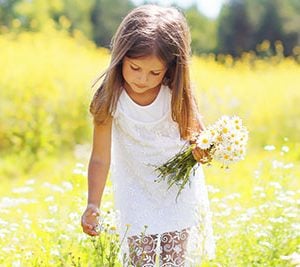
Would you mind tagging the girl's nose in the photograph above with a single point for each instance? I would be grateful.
(143, 78)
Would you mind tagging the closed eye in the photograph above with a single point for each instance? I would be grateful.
(137, 69)
(134, 68)
(155, 73)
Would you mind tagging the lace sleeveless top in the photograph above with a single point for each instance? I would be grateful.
(144, 137)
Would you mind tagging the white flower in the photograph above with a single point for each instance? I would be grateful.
(294, 258)
(269, 147)
(237, 121)
(225, 141)
(285, 149)
(227, 131)
(214, 132)
(223, 121)
(67, 185)
(204, 139)
(229, 139)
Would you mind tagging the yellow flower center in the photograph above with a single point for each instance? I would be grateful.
(225, 130)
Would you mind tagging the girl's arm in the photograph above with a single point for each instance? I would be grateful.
(99, 162)
(97, 175)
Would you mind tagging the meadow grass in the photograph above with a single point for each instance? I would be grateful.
(45, 139)
(255, 215)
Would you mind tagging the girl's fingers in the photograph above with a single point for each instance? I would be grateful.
(93, 233)
(197, 154)
(89, 229)
(90, 232)
(86, 225)
(201, 156)
(95, 214)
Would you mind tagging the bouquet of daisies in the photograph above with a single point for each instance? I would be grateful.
(224, 141)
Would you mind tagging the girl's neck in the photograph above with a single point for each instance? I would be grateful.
(145, 98)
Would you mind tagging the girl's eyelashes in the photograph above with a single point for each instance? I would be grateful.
(137, 68)
(155, 73)
(134, 68)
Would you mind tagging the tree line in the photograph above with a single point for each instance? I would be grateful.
(263, 26)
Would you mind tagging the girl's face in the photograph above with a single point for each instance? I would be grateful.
(143, 73)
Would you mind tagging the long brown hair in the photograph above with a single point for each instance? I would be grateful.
(151, 30)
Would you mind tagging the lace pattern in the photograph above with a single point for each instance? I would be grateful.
(170, 247)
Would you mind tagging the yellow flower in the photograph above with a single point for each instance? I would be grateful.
(113, 228)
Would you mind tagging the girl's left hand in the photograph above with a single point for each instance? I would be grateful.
(201, 155)
(89, 220)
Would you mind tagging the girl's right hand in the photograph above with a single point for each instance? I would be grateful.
(89, 220)
(202, 156)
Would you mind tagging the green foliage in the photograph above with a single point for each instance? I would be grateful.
(45, 92)
(243, 24)
(74, 15)
(270, 25)
(203, 31)
(234, 31)
(36, 14)
(7, 14)
(106, 16)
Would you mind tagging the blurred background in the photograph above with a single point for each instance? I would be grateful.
(217, 26)
(246, 56)
(51, 51)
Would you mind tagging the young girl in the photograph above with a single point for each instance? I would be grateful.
(144, 113)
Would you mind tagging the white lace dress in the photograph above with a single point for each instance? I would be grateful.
(144, 137)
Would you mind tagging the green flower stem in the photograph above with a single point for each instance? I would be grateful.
(177, 169)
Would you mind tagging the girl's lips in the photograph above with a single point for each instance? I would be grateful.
(140, 86)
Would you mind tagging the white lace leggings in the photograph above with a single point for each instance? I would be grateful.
(171, 251)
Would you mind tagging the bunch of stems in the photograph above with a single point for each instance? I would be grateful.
(177, 169)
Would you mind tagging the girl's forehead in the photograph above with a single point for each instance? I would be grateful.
(147, 61)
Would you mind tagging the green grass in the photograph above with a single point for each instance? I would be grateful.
(255, 208)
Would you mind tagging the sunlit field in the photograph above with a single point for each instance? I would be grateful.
(45, 139)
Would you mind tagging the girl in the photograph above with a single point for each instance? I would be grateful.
(144, 113)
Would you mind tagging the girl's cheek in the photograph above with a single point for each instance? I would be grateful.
(133, 74)
(128, 75)
(159, 80)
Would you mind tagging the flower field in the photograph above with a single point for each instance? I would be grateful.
(45, 139)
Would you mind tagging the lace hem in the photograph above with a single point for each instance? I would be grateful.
(181, 248)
